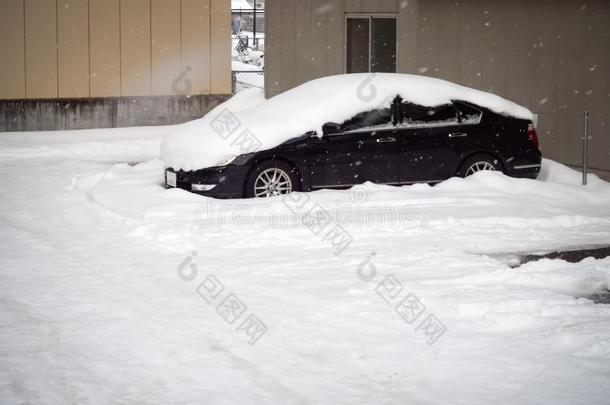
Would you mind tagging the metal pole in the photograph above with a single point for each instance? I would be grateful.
(585, 148)
(254, 28)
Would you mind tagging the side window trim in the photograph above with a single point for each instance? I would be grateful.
(397, 114)
(440, 124)
(369, 129)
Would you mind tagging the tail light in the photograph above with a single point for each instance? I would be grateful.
(532, 135)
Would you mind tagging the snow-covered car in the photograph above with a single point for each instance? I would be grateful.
(340, 131)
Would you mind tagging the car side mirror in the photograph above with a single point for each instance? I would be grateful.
(331, 128)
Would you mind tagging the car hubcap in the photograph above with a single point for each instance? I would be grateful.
(272, 182)
(479, 166)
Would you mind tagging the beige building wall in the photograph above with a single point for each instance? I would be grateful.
(12, 49)
(105, 54)
(135, 48)
(112, 48)
(73, 48)
(220, 45)
(196, 26)
(552, 56)
(41, 80)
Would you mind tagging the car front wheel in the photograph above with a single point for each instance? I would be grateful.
(271, 178)
(478, 163)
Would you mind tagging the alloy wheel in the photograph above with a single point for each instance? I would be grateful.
(272, 182)
(480, 166)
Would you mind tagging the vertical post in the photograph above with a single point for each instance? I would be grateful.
(254, 44)
(585, 147)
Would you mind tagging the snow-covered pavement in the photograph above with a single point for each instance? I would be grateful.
(115, 290)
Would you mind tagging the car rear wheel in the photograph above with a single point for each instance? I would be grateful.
(271, 178)
(478, 163)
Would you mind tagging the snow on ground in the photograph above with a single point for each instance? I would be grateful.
(311, 105)
(127, 144)
(100, 286)
(244, 67)
(243, 4)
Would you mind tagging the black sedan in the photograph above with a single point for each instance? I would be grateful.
(403, 144)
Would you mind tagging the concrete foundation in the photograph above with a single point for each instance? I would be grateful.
(107, 112)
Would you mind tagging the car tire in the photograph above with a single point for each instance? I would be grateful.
(276, 175)
(479, 162)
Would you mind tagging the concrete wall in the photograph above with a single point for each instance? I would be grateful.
(106, 112)
(111, 48)
(552, 56)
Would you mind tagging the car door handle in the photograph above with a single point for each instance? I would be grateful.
(384, 140)
(457, 135)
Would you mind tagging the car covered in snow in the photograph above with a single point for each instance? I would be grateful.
(344, 130)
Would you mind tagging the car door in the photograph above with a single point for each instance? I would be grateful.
(425, 143)
(362, 149)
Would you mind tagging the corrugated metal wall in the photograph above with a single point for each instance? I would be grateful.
(110, 48)
(552, 56)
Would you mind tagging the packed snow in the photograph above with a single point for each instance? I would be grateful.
(103, 301)
(241, 101)
(241, 4)
(203, 142)
(238, 66)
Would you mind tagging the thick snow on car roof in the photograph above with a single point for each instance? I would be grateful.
(244, 125)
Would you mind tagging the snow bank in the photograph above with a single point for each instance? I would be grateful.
(127, 144)
(240, 66)
(201, 143)
(94, 308)
(557, 173)
(485, 200)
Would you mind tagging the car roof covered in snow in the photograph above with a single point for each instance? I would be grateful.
(219, 135)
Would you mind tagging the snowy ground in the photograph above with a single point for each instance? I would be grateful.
(101, 301)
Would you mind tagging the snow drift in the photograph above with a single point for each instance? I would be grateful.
(94, 311)
(208, 141)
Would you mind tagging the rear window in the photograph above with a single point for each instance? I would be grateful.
(467, 113)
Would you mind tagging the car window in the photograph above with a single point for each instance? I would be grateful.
(416, 115)
(467, 113)
(369, 119)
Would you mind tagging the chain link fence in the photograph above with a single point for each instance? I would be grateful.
(244, 20)
(247, 79)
